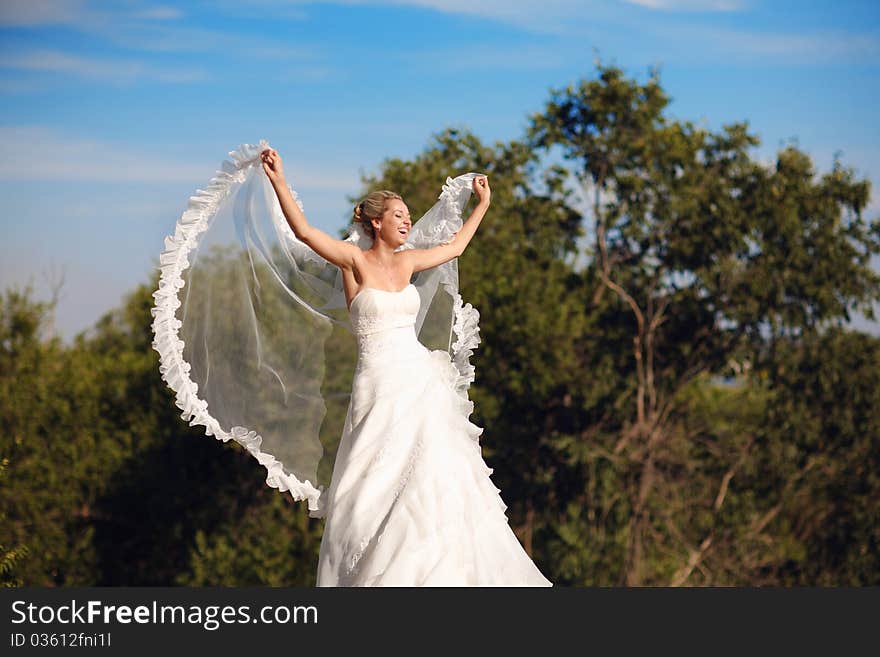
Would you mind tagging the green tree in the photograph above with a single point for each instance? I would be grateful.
(40, 396)
(820, 462)
(107, 485)
(10, 557)
(704, 252)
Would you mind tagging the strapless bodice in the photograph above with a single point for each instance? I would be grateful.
(383, 320)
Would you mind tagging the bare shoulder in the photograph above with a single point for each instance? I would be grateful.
(352, 249)
(357, 254)
(353, 254)
(407, 259)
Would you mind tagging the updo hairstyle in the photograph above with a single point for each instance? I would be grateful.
(372, 207)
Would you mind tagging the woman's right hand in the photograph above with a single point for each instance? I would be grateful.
(272, 164)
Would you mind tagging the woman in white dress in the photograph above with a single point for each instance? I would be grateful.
(410, 501)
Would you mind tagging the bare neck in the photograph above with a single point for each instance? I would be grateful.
(382, 252)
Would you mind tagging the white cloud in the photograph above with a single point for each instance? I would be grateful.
(594, 18)
(118, 71)
(172, 37)
(815, 47)
(147, 28)
(549, 16)
(801, 49)
(478, 56)
(79, 13)
(136, 26)
(39, 153)
(159, 13)
(29, 86)
(26, 13)
(157, 28)
(690, 5)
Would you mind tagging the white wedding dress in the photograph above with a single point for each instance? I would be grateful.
(247, 324)
(410, 502)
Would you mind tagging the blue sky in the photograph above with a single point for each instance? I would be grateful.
(114, 113)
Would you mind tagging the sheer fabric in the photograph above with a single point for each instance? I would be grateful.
(253, 333)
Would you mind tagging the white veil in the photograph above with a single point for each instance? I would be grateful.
(252, 329)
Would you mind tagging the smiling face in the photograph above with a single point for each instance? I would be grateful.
(395, 223)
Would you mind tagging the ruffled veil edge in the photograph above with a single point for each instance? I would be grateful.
(233, 371)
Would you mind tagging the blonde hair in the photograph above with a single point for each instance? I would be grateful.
(372, 207)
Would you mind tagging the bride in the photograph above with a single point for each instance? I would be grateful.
(410, 501)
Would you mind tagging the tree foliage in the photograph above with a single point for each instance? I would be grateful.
(710, 259)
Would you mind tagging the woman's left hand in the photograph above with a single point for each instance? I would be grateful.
(481, 189)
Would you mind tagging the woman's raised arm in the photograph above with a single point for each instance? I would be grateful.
(339, 252)
(437, 255)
